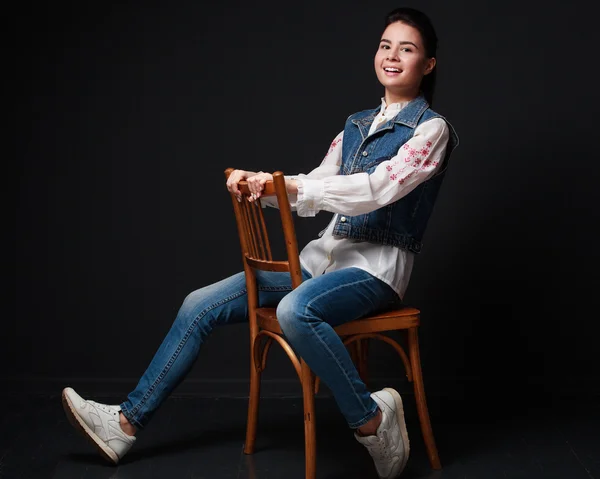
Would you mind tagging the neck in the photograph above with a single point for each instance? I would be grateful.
(398, 97)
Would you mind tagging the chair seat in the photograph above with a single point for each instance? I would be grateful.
(403, 318)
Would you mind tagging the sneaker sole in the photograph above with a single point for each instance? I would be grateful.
(106, 452)
(401, 424)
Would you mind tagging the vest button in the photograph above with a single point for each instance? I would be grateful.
(365, 153)
(343, 219)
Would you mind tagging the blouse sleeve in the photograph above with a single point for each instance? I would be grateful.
(416, 161)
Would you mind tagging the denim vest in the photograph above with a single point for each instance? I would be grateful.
(403, 222)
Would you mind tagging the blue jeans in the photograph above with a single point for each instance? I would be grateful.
(307, 316)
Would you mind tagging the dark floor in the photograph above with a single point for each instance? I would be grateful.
(203, 438)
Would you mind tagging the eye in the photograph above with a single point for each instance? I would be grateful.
(407, 49)
(384, 46)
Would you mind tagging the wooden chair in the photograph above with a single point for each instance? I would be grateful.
(264, 328)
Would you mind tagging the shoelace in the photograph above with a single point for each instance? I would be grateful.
(380, 449)
(103, 407)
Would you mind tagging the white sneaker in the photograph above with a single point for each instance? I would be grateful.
(100, 424)
(390, 447)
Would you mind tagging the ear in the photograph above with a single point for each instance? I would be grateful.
(429, 66)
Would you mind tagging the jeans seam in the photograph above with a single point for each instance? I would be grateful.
(274, 288)
(180, 346)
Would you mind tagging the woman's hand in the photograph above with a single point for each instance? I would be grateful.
(234, 178)
(256, 184)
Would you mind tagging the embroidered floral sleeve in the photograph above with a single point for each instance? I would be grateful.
(416, 161)
(333, 158)
(333, 148)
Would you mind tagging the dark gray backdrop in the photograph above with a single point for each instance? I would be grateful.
(127, 116)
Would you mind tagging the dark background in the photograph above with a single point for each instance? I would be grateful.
(128, 114)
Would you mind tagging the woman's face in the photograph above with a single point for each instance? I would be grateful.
(401, 62)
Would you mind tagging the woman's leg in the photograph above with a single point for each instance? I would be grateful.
(221, 303)
(307, 317)
(112, 428)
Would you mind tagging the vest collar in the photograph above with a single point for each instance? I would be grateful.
(409, 116)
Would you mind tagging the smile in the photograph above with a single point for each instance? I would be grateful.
(391, 71)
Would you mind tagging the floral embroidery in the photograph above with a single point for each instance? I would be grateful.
(334, 143)
(403, 180)
(418, 159)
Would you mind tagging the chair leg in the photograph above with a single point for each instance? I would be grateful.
(415, 359)
(310, 441)
(252, 404)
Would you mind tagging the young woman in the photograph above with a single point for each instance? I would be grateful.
(380, 178)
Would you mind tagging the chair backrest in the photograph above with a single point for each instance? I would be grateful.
(254, 236)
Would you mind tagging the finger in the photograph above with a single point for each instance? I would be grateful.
(234, 187)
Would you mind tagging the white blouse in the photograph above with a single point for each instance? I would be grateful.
(325, 189)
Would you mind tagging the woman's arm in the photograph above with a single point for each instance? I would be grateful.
(330, 165)
(416, 161)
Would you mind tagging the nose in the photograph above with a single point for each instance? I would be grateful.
(392, 54)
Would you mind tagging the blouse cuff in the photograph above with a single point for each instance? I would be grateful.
(310, 196)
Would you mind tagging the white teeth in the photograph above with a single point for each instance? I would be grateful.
(388, 69)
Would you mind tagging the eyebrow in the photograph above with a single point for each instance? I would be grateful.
(385, 40)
